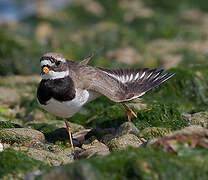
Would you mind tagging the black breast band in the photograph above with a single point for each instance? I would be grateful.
(60, 89)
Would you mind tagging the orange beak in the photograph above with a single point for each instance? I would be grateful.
(45, 70)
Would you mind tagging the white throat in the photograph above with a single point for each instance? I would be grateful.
(55, 75)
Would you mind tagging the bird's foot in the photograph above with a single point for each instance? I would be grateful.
(69, 132)
(128, 112)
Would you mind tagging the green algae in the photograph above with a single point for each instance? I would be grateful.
(143, 163)
(160, 115)
(154, 132)
(185, 90)
(200, 119)
(156, 115)
(43, 127)
(12, 137)
(13, 162)
(7, 124)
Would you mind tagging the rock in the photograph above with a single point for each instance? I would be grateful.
(153, 132)
(119, 143)
(21, 136)
(189, 137)
(50, 158)
(200, 118)
(133, 163)
(14, 164)
(83, 171)
(8, 96)
(191, 130)
(127, 128)
(93, 148)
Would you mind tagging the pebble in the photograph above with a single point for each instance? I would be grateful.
(1, 147)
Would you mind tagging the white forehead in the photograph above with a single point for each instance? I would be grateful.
(61, 59)
(48, 62)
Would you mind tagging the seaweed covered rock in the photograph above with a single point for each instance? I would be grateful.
(122, 142)
(184, 141)
(127, 128)
(92, 147)
(200, 119)
(14, 163)
(132, 163)
(48, 157)
(21, 136)
(154, 132)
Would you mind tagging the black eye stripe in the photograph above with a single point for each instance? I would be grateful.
(51, 59)
(57, 63)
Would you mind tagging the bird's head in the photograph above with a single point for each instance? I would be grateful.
(53, 66)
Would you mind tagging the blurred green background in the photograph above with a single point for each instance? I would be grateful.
(152, 33)
(136, 33)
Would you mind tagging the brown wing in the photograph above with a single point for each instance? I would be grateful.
(122, 84)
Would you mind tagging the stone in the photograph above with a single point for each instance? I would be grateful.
(50, 158)
(153, 132)
(121, 142)
(188, 138)
(199, 118)
(93, 148)
(21, 136)
(127, 128)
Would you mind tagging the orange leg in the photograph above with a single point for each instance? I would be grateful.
(69, 132)
(128, 112)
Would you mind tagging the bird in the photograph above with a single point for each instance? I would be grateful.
(68, 85)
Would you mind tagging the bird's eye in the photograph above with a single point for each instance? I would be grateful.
(57, 63)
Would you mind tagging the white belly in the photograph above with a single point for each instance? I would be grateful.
(67, 109)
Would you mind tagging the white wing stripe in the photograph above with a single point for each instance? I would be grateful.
(137, 75)
(142, 75)
(131, 77)
(127, 78)
(149, 75)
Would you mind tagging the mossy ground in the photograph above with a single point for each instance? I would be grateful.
(144, 163)
(7, 124)
(13, 162)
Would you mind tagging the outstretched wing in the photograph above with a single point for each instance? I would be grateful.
(124, 84)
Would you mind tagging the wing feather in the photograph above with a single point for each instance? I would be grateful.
(123, 84)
